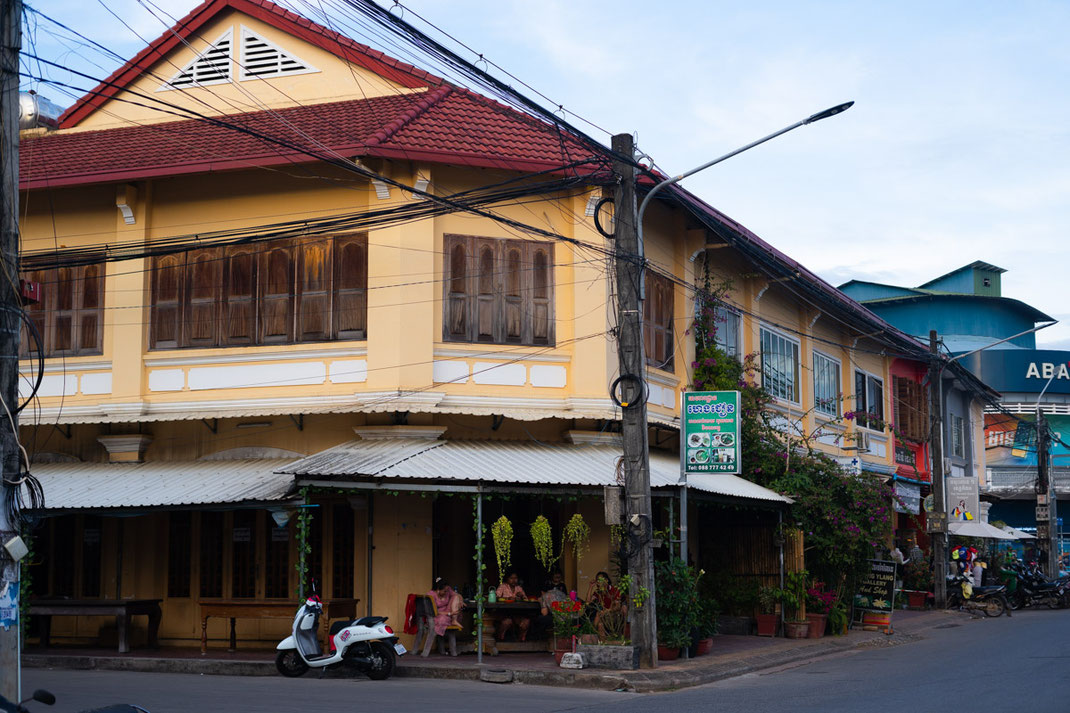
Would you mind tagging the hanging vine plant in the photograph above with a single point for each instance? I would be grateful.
(577, 535)
(543, 539)
(502, 533)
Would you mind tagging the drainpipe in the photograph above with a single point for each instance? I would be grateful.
(479, 577)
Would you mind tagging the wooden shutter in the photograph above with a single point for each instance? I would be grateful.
(314, 291)
(455, 310)
(90, 313)
(203, 280)
(276, 295)
(488, 305)
(239, 296)
(167, 279)
(657, 322)
(37, 314)
(513, 293)
(541, 310)
(349, 314)
(63, 310)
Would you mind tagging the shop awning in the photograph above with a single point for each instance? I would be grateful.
(506, 462)
(979, 529)
(76, 486)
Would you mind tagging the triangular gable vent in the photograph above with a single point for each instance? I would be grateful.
(260, 58)
(211, 67)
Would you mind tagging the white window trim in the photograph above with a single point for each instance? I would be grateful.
(762, 326)
(884, 396)
(739, 329)
(838, 406)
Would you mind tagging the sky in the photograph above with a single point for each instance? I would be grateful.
(956, 150)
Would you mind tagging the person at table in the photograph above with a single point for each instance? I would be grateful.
(602, 597)
(448, 604)
(553, 591)
(510, 589)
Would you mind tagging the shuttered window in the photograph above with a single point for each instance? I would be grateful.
(911, 409)
(498, 291)
(70, 315)
(657, 322)
(282, 293)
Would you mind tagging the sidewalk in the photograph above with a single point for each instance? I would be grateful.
(731, 656)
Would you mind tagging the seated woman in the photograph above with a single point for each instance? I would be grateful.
(448, 605)
(602, 597)
(510, 589)
(552, 591)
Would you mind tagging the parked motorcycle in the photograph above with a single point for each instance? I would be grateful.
(366, 644)
(43, 696)
(1033, 589)
(963, 595)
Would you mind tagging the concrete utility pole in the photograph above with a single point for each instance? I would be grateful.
(10, 322)
(633, 393)
(1047, 517)
(938, 517)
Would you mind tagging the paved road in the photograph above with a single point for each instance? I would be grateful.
(1019, 664)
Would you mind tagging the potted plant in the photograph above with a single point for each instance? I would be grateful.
(793, 600)
(918, 579)
(819, 603)
(566, 624)
(767, 618)
(838, 619)
(707, 626)
(676, 594)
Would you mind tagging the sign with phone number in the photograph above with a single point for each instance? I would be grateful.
(710, 432)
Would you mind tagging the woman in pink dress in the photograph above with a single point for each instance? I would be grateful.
(448, 605)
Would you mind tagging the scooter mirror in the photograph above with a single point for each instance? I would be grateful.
(43, 696)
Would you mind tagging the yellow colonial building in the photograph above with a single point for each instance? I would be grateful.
(290, 282)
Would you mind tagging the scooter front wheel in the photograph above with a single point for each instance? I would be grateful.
(290, 663)
(995, 607)
(381, 663)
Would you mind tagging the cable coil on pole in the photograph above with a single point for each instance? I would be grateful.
(632, 403)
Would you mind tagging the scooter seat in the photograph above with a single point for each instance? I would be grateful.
(368, 621)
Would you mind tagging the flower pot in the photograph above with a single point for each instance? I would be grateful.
(667, 654)
(767, 624)
(796, 629)
(817, 625)
(916, 600)
(704, 646)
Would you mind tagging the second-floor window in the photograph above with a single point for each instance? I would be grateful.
(658, 339)
(869, 400)
(911, 409)
(69, 316)
(498, 291)
(780, 366)
(826, 385)
(958, 436)
(281, 292)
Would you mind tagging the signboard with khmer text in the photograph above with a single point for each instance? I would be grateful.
(709, 432)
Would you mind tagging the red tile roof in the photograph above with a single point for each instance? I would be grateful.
(443, 125)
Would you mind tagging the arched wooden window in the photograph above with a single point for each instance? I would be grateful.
(350, 308)
(203, 273)
(506, 299)
(514, 295)
(276, 296)
(90, 328)
(167, 278)
(658, 322)
(314, 291)
(239, 297)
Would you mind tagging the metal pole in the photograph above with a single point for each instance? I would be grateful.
(780, 544)
(10, 324)
(683, 522)
(479, 578)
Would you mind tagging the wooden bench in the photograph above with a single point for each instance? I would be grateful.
(121, 609)
(252, 609)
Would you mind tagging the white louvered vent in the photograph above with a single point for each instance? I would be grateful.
(210, 67)
(260, 58)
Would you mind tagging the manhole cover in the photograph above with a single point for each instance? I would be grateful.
(947, 626)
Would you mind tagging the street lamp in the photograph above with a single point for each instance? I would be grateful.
(832, 111)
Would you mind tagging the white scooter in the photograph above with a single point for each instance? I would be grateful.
(366, 644)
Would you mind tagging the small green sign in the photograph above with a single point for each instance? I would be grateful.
(710, 433)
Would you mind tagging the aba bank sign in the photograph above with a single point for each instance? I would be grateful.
(1047, 370)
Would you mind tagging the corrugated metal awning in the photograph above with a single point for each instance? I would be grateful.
(520, 463)
(72, 486)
